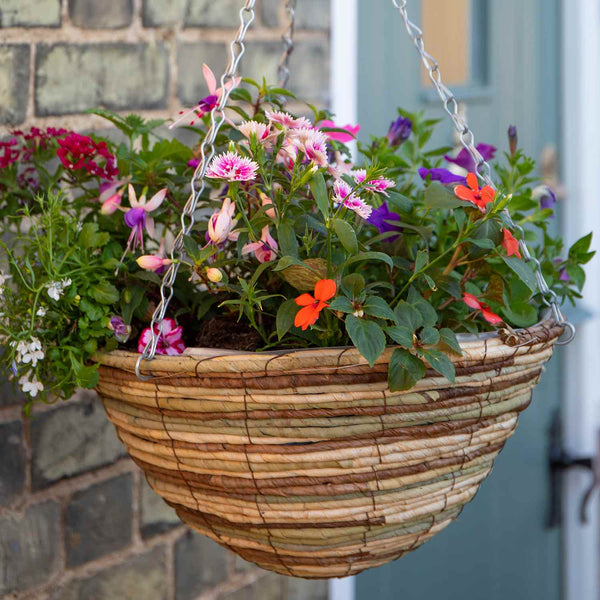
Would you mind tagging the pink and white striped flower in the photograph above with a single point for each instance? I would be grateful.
(250, 128)
(342, 194)
(264, 250)
(379, 185)
(232, 167)
(208, 103)
(169, 341)
(312, 142)
(286, 121)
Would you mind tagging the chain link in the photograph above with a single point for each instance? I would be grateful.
(207, 151)
(482, 167)
(283, 70)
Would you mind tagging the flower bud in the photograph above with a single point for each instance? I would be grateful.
(399, 131)
(512, 139)
(111, 205)
(265, 201)
(221, 223)
(213, 274)
(152, 262)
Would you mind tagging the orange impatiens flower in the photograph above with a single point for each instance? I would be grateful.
(510, 243)
(473, 302)
(479, 197)
(312, 305)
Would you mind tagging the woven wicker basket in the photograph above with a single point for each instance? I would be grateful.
(304, 462)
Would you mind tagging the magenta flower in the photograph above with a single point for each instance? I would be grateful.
(265, 250)
(338, 135)
(169, 341)
(342, 194)
(206, 104)
(464, 160)
(374, 185)
(232, 167)
(137, 217)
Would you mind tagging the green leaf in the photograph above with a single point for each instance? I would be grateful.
(421, 260)
(318, 188)
(520, 314)
(577, 274)
(430, 336)
(287, 239)
(490, 230)
(88, 235)
(522, 270)
(191, 247)
(428, 313)
(369, 256)
(438, 196)
(342, 304)
(378, 307)
(581, 246)
(367, 336)
(93, 311)
(287, 261)
(286, 313)
(105, 293)
(448, 337)
(85, 377)
(346, 235)
(430, 282)
(401, 335)
(353, 284)
(484, 243)
(398, 202)
(405, 369)
(241, 93)
(441, 363)
(408, 316)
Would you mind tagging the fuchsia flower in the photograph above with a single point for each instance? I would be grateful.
(338, 135)
(342, 194)
(170, 338)
(374, 185)
(137, 217)
(265, 250)
(78, 152)
(221, 223)
(110, 196)
(232, 167)
(206, 104)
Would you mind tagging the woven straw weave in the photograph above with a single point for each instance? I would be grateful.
(304, 462)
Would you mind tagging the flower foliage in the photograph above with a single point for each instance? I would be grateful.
(295, 243)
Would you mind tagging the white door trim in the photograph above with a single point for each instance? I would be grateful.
(581, 163)
(344, 103)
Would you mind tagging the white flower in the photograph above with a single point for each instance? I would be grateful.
(3, 278)
(57, 288)
(31, 387)
(41, 312)
(29, 352)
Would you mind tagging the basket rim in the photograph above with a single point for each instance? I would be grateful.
(212, 360)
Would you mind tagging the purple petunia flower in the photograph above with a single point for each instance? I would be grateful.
(464, 160)
(380, 217)
(444, 176)
(399, 131)
(547, 198)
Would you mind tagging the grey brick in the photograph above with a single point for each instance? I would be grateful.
(304, 589)
(98, 520)
(310, 14)
(190, 56)
(29, 547)
(141, 577)
(71, 78)
(163, 13)
(309, 67)
(71, 440)
(208, 13)
(200, 564)
(269, 587)
(30, 13)
(10, 394)
(108, 14)
(156, 515)
(14, 83)
(12, 462)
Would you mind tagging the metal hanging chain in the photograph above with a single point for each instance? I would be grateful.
(283, 70)
(482, 168)
(207, 151)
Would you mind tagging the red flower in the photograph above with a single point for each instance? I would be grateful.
(472, 302)
(479, 197)
(82, 152)
(8, 153)
(510, 243)
(324, 290)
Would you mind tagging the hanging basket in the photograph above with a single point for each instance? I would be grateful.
(304, 462)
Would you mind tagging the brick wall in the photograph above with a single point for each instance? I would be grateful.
(77, 520)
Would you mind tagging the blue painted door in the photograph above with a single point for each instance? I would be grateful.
(504, 70)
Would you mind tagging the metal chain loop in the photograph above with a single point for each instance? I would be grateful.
(283, 70)
(482, 167)
(207, 151)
